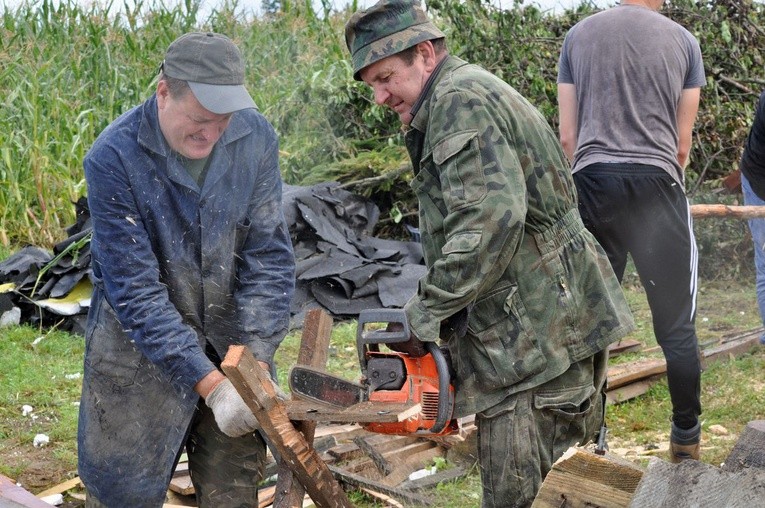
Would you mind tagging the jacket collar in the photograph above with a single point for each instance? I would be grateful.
(421, 109)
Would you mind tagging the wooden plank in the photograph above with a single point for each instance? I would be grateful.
(749, 450)
(13, 496)
(583, 479)
(363, 412)
(386, 501)
(255, 386)
(620, 375)
(314, 347)
(61, 487)
(361, 483)
(630, 391)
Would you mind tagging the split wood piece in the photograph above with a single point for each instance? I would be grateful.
(363, 412)
(354, 480)
(314, 348)
(12, 495)
(581, 478)
(433, 480)
(255, 386)
(380, 462)
(749, 450)
(692, 483)
(730, 211)
(412, 463)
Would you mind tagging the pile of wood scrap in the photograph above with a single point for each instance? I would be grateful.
(394, 470)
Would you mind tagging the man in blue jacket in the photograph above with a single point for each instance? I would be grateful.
(191, 254)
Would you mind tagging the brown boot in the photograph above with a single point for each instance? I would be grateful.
(679, 453)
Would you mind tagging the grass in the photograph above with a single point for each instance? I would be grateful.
(41, 368)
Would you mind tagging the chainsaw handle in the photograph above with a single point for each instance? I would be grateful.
(370, 340)
(445, 405)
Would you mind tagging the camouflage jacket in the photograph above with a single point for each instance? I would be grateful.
(516, 286)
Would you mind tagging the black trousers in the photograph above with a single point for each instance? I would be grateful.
(640, 210)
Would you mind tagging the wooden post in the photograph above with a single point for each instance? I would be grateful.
(314, 346)
(256, 388)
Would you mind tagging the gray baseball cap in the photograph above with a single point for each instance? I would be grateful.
(213, 66)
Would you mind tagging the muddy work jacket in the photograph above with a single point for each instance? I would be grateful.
(516, 286)
(180, 274)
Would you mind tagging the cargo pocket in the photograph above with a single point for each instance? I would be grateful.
(571, 415)
(503, 350)
(109, 352)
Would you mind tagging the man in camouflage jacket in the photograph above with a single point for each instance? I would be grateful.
(522, 295)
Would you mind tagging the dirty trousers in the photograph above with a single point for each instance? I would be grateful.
(520, 438)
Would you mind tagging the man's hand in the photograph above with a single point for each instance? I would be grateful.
(232, 415)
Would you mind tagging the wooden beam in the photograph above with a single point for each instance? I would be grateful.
(314, 347)
(380, 462)
(255, 386)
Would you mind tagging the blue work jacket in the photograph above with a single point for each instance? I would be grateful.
(180, 273)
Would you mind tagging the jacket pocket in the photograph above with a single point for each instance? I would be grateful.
(109, 351)
(503, 349)
(458, 159)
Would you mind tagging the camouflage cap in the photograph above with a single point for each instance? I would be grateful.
(386, 28)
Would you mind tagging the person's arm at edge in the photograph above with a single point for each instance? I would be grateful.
(567, 118)
(687, 108)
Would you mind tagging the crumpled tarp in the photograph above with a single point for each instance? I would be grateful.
(341, 266)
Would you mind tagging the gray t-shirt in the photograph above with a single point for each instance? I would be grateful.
(629, 65)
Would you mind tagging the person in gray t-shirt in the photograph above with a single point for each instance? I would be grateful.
(629, 84)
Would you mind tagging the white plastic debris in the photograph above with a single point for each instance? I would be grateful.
(41, 440)
(422, 473)
(53, 499)
(26, 409)
(76, 375)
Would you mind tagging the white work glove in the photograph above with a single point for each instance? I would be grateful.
(233, 416)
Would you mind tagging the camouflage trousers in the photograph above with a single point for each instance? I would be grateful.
(520, 438)
(225, 471)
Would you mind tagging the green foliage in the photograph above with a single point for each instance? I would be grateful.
(69, 70)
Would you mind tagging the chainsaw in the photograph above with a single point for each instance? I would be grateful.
(388, 377)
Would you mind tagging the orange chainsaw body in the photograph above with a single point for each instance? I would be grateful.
(421, 386)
